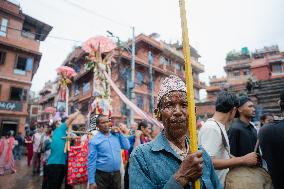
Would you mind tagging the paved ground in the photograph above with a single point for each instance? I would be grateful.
(22, 179)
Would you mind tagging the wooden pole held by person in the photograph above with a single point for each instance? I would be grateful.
(189, 84)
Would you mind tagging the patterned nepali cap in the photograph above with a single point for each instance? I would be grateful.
(169, 84)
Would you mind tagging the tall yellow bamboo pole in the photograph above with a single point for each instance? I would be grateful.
(189, 84)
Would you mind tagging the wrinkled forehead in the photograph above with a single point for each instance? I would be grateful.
(174, 96)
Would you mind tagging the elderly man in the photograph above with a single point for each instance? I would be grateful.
(167, 161)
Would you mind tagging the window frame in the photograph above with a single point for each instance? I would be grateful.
(137, 101)
(6, 31)
(2, 60)
(23, 91)
(140, 83)
(84, 83)
(76, 88)
(279, 66)
(237, 76)
(19, 71)
(246, 71)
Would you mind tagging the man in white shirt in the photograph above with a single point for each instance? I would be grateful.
(36, 149)
(213, 137)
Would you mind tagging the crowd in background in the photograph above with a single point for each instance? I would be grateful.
(238, 134)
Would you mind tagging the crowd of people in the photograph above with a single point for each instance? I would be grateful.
(146, 156)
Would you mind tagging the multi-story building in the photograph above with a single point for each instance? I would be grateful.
(267, 63)
(33, 109)
(167, 59)
(20, 37)
(237, 67)
(263, 64)
(215, 86)
(47, 98)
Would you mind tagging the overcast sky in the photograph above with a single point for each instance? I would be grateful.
(215, 27)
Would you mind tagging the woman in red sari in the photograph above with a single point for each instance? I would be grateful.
(7, 164)
(29, 144)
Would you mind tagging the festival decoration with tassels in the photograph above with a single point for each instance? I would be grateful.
(100, 52)
(65, 73)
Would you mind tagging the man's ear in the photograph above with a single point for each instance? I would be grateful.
(239, 109)
(157, 114)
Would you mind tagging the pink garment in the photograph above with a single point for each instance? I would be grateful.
(2, 143)
(7, 164)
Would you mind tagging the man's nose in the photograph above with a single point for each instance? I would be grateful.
(178, 110)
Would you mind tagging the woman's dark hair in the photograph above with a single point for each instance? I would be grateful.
(226, 101)
(143, 124)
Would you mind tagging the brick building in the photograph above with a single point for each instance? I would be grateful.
(167, 59)
(265, 65)
(33, 109)
(47, 98)
(20, 37)
(237, 67)
(215, 86)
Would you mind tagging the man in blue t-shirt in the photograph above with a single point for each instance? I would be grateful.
(56, 168)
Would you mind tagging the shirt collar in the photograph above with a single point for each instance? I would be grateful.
(162, 143)
(101, 134)
(245, 124)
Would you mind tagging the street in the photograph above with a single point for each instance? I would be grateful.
(22, 179)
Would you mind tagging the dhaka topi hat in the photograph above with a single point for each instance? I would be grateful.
(169, 84)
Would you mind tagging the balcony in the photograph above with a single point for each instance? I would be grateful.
(197, 66)
(236, 66)
(28, 35)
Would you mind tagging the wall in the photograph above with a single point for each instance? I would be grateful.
(261, 72)
(14, 37)
(7, 69)
(207, 108)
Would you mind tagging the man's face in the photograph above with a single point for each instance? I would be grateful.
(134, 126)
(122, 126)
(247, 110)
(104, 124)
(173, 113)
(268, 119)
(146, 130)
